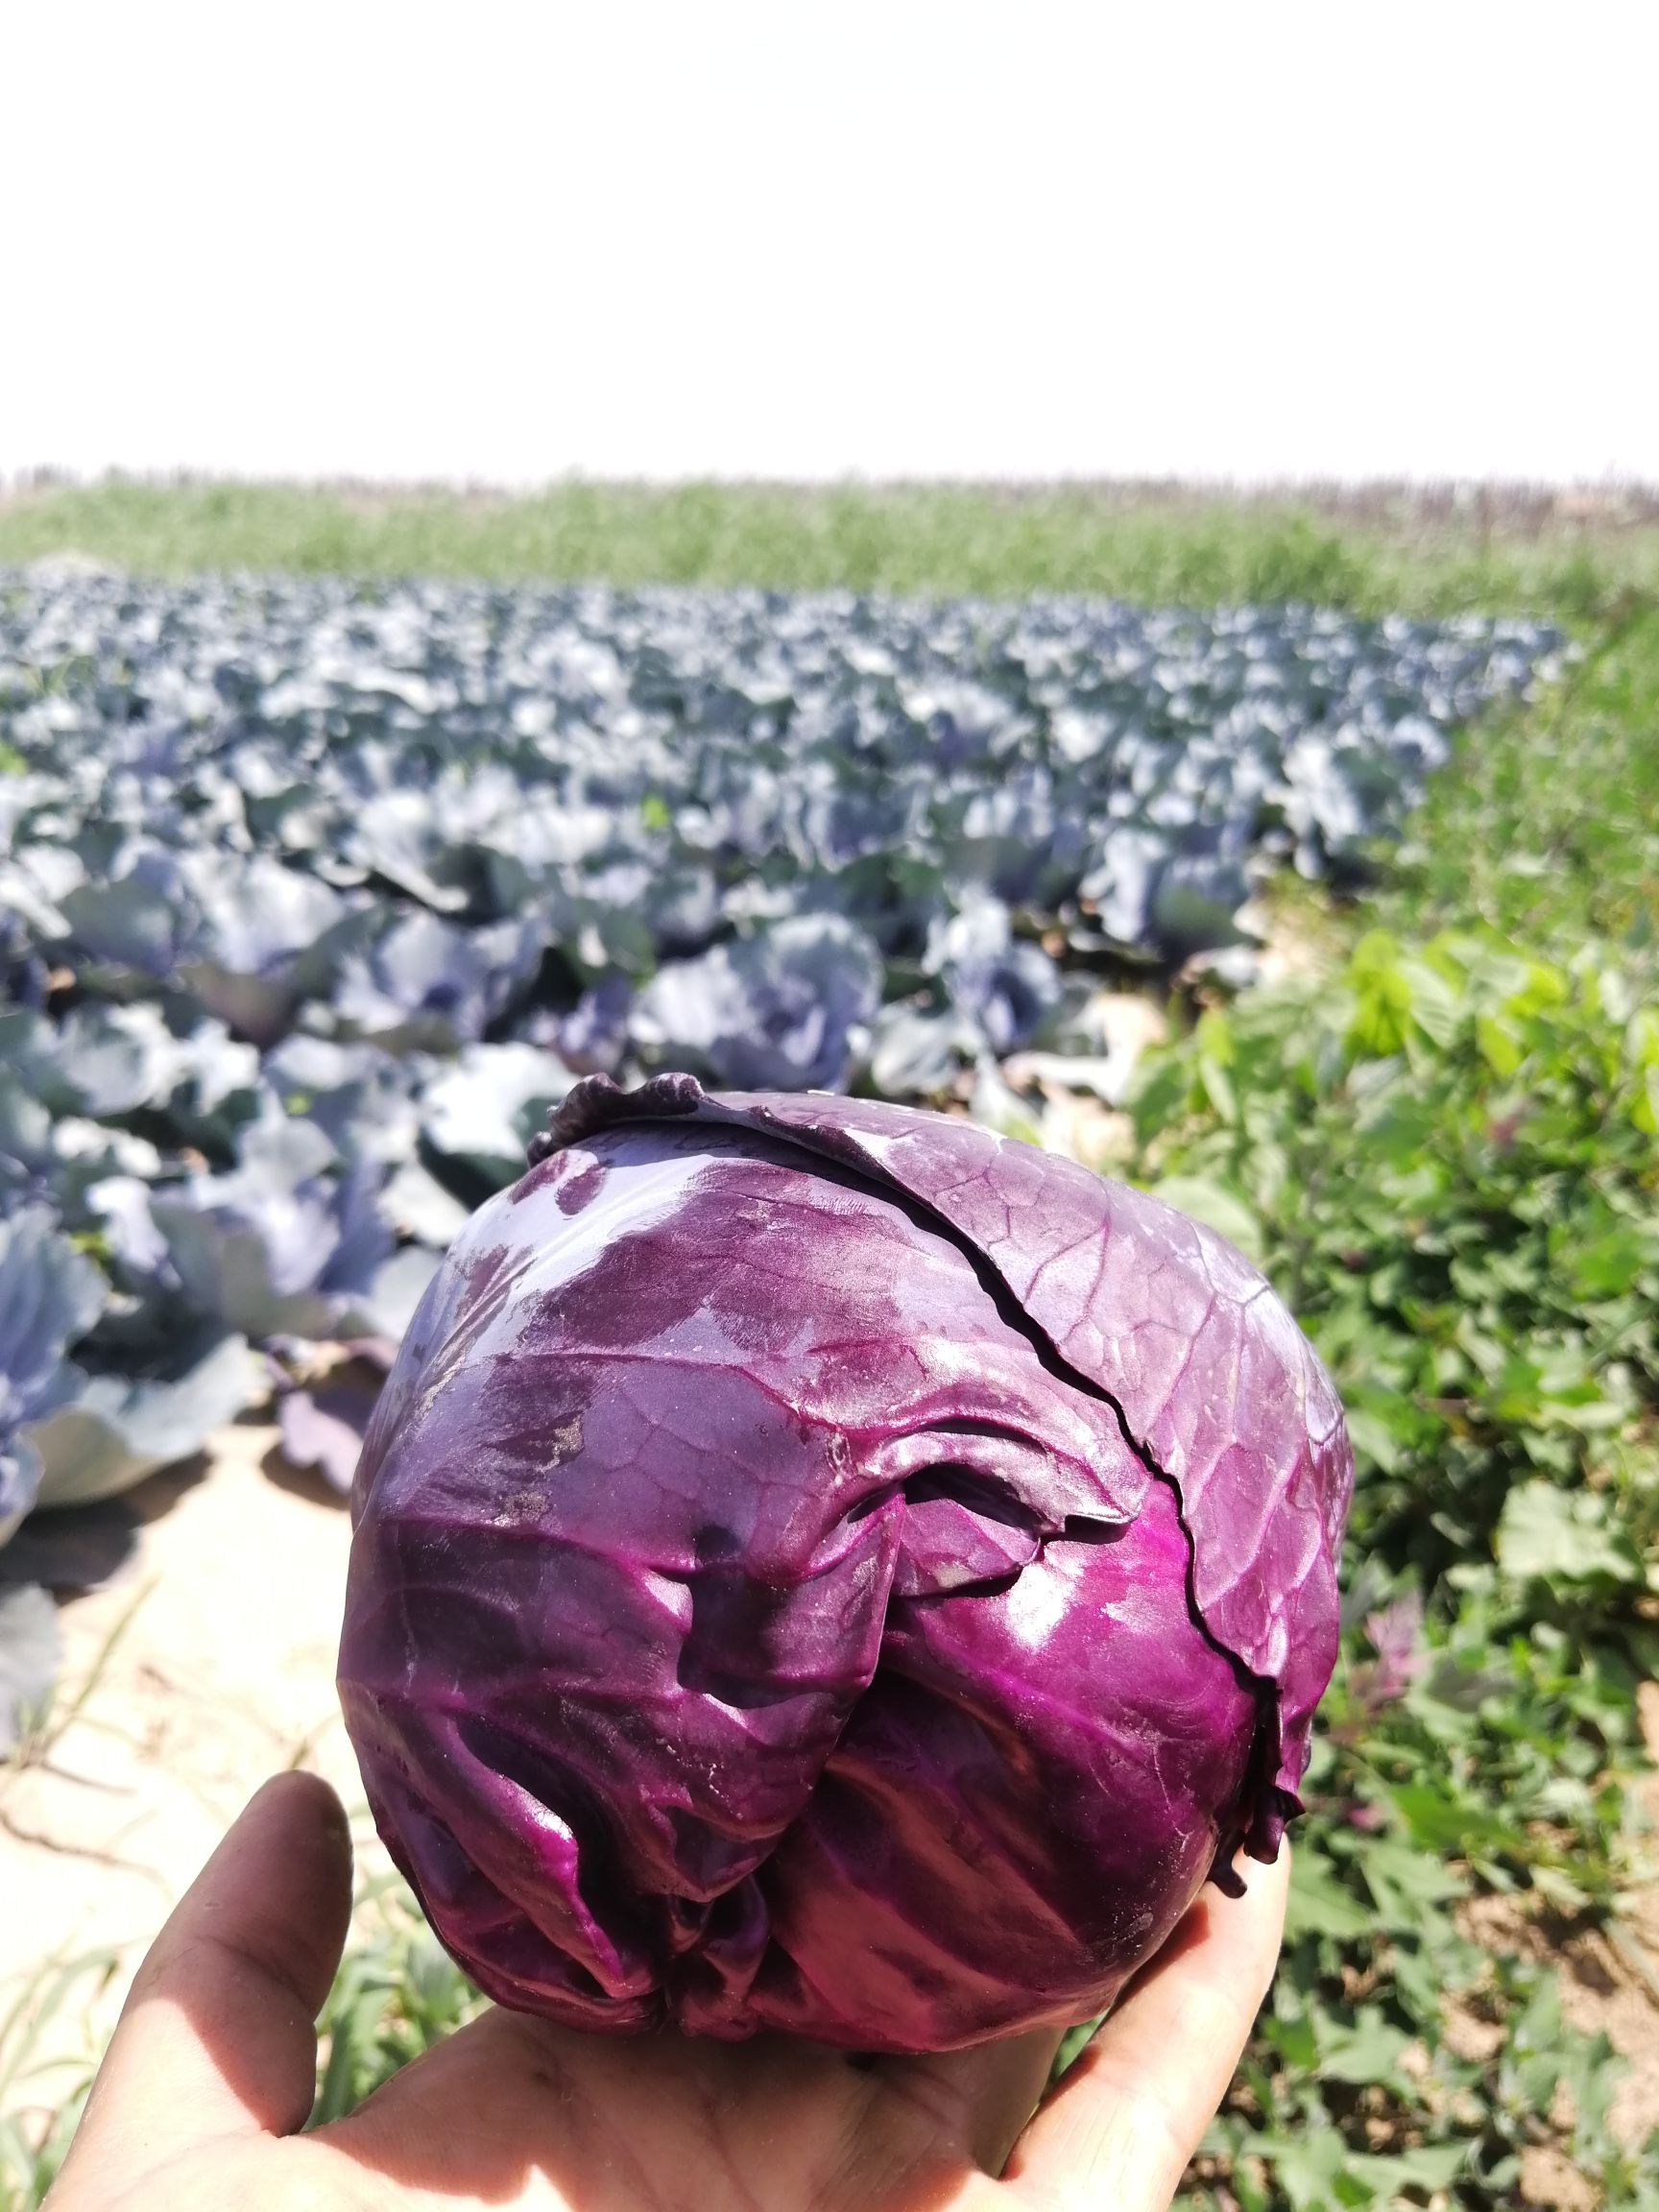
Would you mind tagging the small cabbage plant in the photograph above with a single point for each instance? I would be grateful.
(823, 1566)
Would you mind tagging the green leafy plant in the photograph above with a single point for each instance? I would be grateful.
(1446, 1157)
(1444, 1154)
(397, 1993)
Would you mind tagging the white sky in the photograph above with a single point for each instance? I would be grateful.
(503, 242)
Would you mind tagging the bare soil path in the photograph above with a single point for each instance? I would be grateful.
(222, 1673)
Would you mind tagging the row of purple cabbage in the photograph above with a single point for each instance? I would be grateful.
(314, 896)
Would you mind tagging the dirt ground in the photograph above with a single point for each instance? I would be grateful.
(218, 1677)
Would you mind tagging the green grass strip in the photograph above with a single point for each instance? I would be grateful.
(1373, 553)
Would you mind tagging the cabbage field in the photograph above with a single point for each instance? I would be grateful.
(314, 897)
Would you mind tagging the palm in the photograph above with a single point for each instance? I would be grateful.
(512, 2113)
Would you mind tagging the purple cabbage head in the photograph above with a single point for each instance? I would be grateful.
(825, 1567)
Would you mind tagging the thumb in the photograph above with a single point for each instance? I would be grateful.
(218, 2037)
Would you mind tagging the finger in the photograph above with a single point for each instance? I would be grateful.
(1121, 2125)
(973, 2101)
(218, 2037)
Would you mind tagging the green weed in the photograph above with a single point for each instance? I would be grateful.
(397, 1992)
(1446, 1153)
(41, 2098)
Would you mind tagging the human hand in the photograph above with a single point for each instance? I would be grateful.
(210, 2074)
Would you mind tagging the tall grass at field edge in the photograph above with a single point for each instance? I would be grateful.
(1153, 543)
